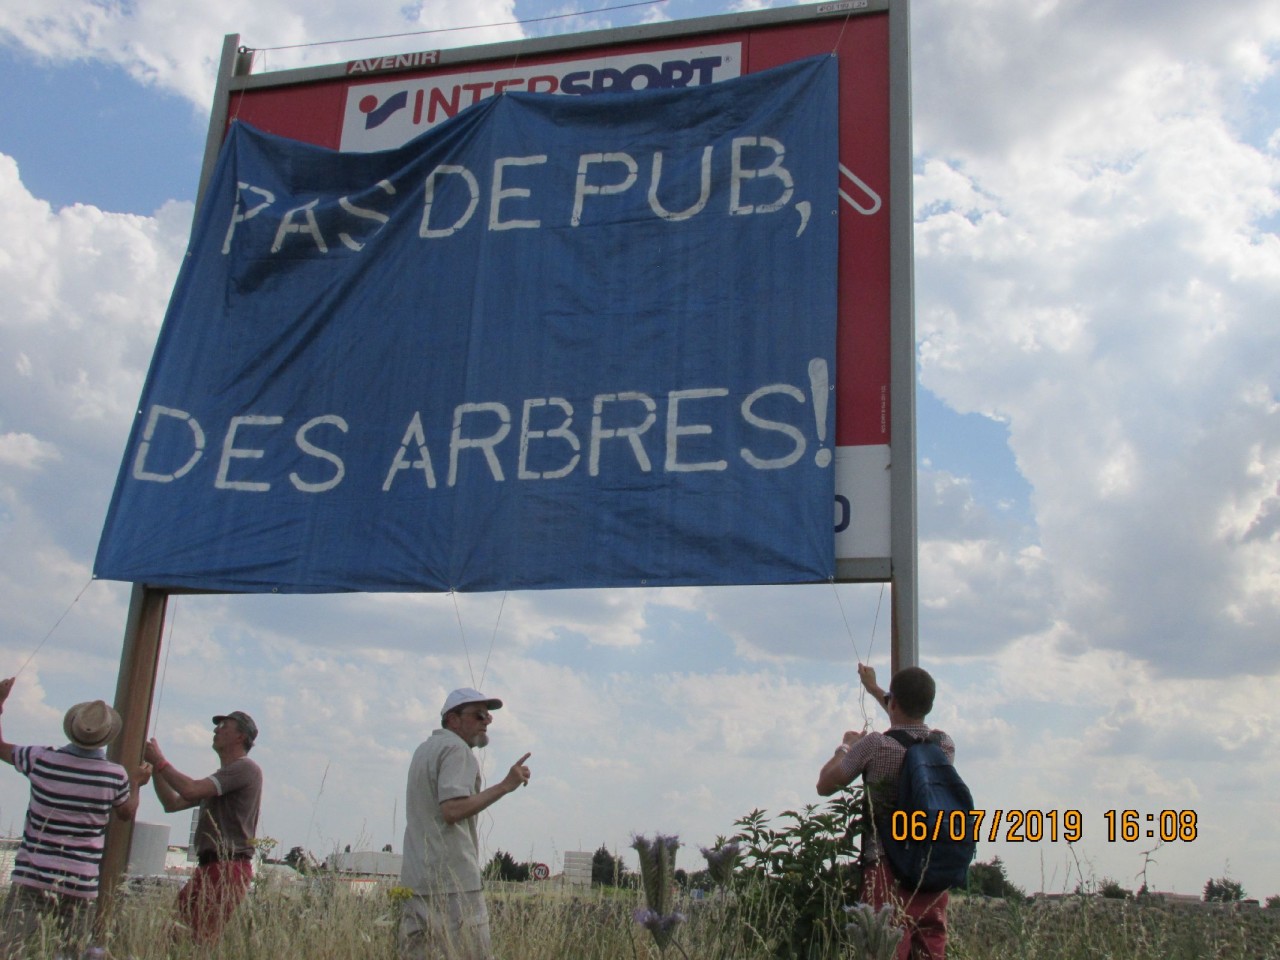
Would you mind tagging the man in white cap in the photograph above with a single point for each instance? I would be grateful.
(74, 789)
(446, 917)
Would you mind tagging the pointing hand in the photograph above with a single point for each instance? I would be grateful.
(518, 775)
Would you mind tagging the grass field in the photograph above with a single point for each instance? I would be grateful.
(541, 922)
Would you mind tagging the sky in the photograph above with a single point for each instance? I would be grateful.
(1096, 202)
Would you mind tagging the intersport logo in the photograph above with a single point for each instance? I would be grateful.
(381, 116)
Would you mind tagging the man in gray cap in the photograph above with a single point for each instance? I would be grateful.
(74, 789)
(229, 800)
(446, 917)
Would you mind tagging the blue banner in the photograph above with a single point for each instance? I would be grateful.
(554, 342)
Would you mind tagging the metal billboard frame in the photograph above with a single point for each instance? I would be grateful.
(899, 567)
(145, 623)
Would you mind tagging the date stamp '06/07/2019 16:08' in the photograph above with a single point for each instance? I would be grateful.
(1035, 825)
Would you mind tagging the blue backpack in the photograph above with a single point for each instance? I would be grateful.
(929, 792)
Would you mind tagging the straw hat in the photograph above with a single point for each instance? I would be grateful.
(91, 724)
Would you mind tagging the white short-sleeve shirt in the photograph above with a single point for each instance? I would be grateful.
(440, 857)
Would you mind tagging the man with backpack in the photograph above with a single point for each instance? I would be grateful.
(879, 758)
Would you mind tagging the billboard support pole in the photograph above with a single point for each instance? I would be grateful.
(233, 64)
(144, 627)
(902, 349)
(135, 689)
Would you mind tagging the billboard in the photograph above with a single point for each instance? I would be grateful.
(551, 342)
(370, 106)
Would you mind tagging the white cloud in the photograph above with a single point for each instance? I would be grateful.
(84, 293)
(1093, 270)
(176, 48)
(25, 451)
(1097, 269)
(1057, 726)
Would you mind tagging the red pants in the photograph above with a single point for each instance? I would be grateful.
(212, 894)
(924, 915)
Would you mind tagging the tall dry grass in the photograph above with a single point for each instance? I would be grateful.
(1093, 927)
(542, 922)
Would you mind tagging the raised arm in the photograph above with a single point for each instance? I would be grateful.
(175, 789)
(867, 675)
(835, 773)
(6, 748)
(460, 808)
(138, 778)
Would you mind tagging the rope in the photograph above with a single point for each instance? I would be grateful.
(463, 634)
(486, 818)
(477, 26)
(840, 36)
(55, 626)
(493, 639)
(172, 614)
(875, 622)
(845, 617)
(862, 693)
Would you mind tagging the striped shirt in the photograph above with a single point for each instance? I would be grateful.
(72, 793)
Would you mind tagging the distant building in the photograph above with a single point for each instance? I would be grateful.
(145, 858)
(8, 850)
(379, 864)
(577, 868)
(363, 871)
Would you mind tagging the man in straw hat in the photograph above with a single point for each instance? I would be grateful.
(446, 917)
(229, 800)
(73, 791)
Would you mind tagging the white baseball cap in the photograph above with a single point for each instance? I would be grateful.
(465, 695)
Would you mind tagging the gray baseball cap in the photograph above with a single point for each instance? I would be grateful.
(243, 721)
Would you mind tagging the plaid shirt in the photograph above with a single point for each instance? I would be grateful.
(879, 758)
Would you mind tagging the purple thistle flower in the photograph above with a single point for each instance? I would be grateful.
(662, 927)
(657, 876)
(657, 869)
(722, 860)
